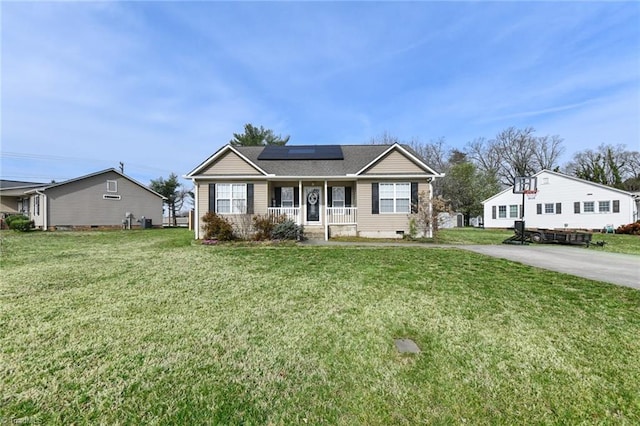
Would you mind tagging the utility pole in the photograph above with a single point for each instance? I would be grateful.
(121, 167)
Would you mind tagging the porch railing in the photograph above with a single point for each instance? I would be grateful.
(334, 215)
(292, 213)
(342, 215)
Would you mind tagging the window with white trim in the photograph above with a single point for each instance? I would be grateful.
(588, 207)
(502, 212)
(604, 206)
(231, 198)
(549, 208)
(337, 196)
(287, 196)
(112, 186)
(513, 211)
(36, 205)
(395, 197)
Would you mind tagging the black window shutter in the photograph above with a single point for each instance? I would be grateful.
(493, 212)
(414, 197)
(347, 196)
(330, 196)
(278, 194)
(296, 196)
(539, 208)
(558, 208)
(576, 207)
(212, 197)
(375, 199)
(249, 198)
(616, 206)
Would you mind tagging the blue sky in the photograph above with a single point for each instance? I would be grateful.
(160, 86)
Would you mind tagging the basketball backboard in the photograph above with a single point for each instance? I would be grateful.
(525, 184)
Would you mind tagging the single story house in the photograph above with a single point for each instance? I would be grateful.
(562, 202)
(363, 190)
(13, 199)
(103, 199)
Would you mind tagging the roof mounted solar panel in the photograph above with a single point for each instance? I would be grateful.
(301, 152)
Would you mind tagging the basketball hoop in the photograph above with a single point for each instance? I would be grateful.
(530, 193)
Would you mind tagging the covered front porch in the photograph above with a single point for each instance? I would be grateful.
(315, 205)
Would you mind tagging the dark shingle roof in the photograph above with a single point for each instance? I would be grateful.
(355, 158)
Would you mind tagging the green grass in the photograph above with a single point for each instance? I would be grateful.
(148, 327)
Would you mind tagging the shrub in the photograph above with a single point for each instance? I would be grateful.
(14, 217)
(264, 225)
(288, 230)
(217, 227)
(631, 228)
(20, 223)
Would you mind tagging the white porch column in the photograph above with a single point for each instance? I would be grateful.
(326, 221)
(431, 209)
(300, 198)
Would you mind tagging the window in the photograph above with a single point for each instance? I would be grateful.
(513, 211)
(36, 205)
(337, 196)
(231, 198)
(604, 206)
(287, 196)
(502, 212)
(588, 207)
(112, 186)
(395, 197)
(548, 208)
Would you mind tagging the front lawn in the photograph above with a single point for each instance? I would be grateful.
(144, 327)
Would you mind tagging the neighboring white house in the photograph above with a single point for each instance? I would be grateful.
(563, 201)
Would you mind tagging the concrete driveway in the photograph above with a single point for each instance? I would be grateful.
(615, 268)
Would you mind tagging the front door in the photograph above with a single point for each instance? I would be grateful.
(313, 200)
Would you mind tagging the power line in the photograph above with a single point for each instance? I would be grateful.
(29, 156)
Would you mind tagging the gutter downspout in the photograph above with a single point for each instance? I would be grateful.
(196, 211)
(326, 219)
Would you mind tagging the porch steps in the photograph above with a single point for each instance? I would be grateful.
(312, 233)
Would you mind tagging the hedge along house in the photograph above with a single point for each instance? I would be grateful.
(563, 201)
(105, 199)
(332, 190)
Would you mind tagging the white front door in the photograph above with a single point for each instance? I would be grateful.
(313, 204)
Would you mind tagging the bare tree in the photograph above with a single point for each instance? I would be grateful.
(515, 152)
(485, 154)
(547, 152)
(384, 138)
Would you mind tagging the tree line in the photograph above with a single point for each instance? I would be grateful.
(485, 166)
(477, 171)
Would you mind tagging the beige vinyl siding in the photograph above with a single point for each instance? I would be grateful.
(382, 225)
(230, 164)
(81, 203)
(8, 204)
(394, 163)
(260, 199)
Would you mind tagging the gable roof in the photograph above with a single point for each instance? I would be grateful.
(565, 176)
(356, 159)
(111, 170)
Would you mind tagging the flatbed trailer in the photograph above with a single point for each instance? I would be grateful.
(549, 236)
